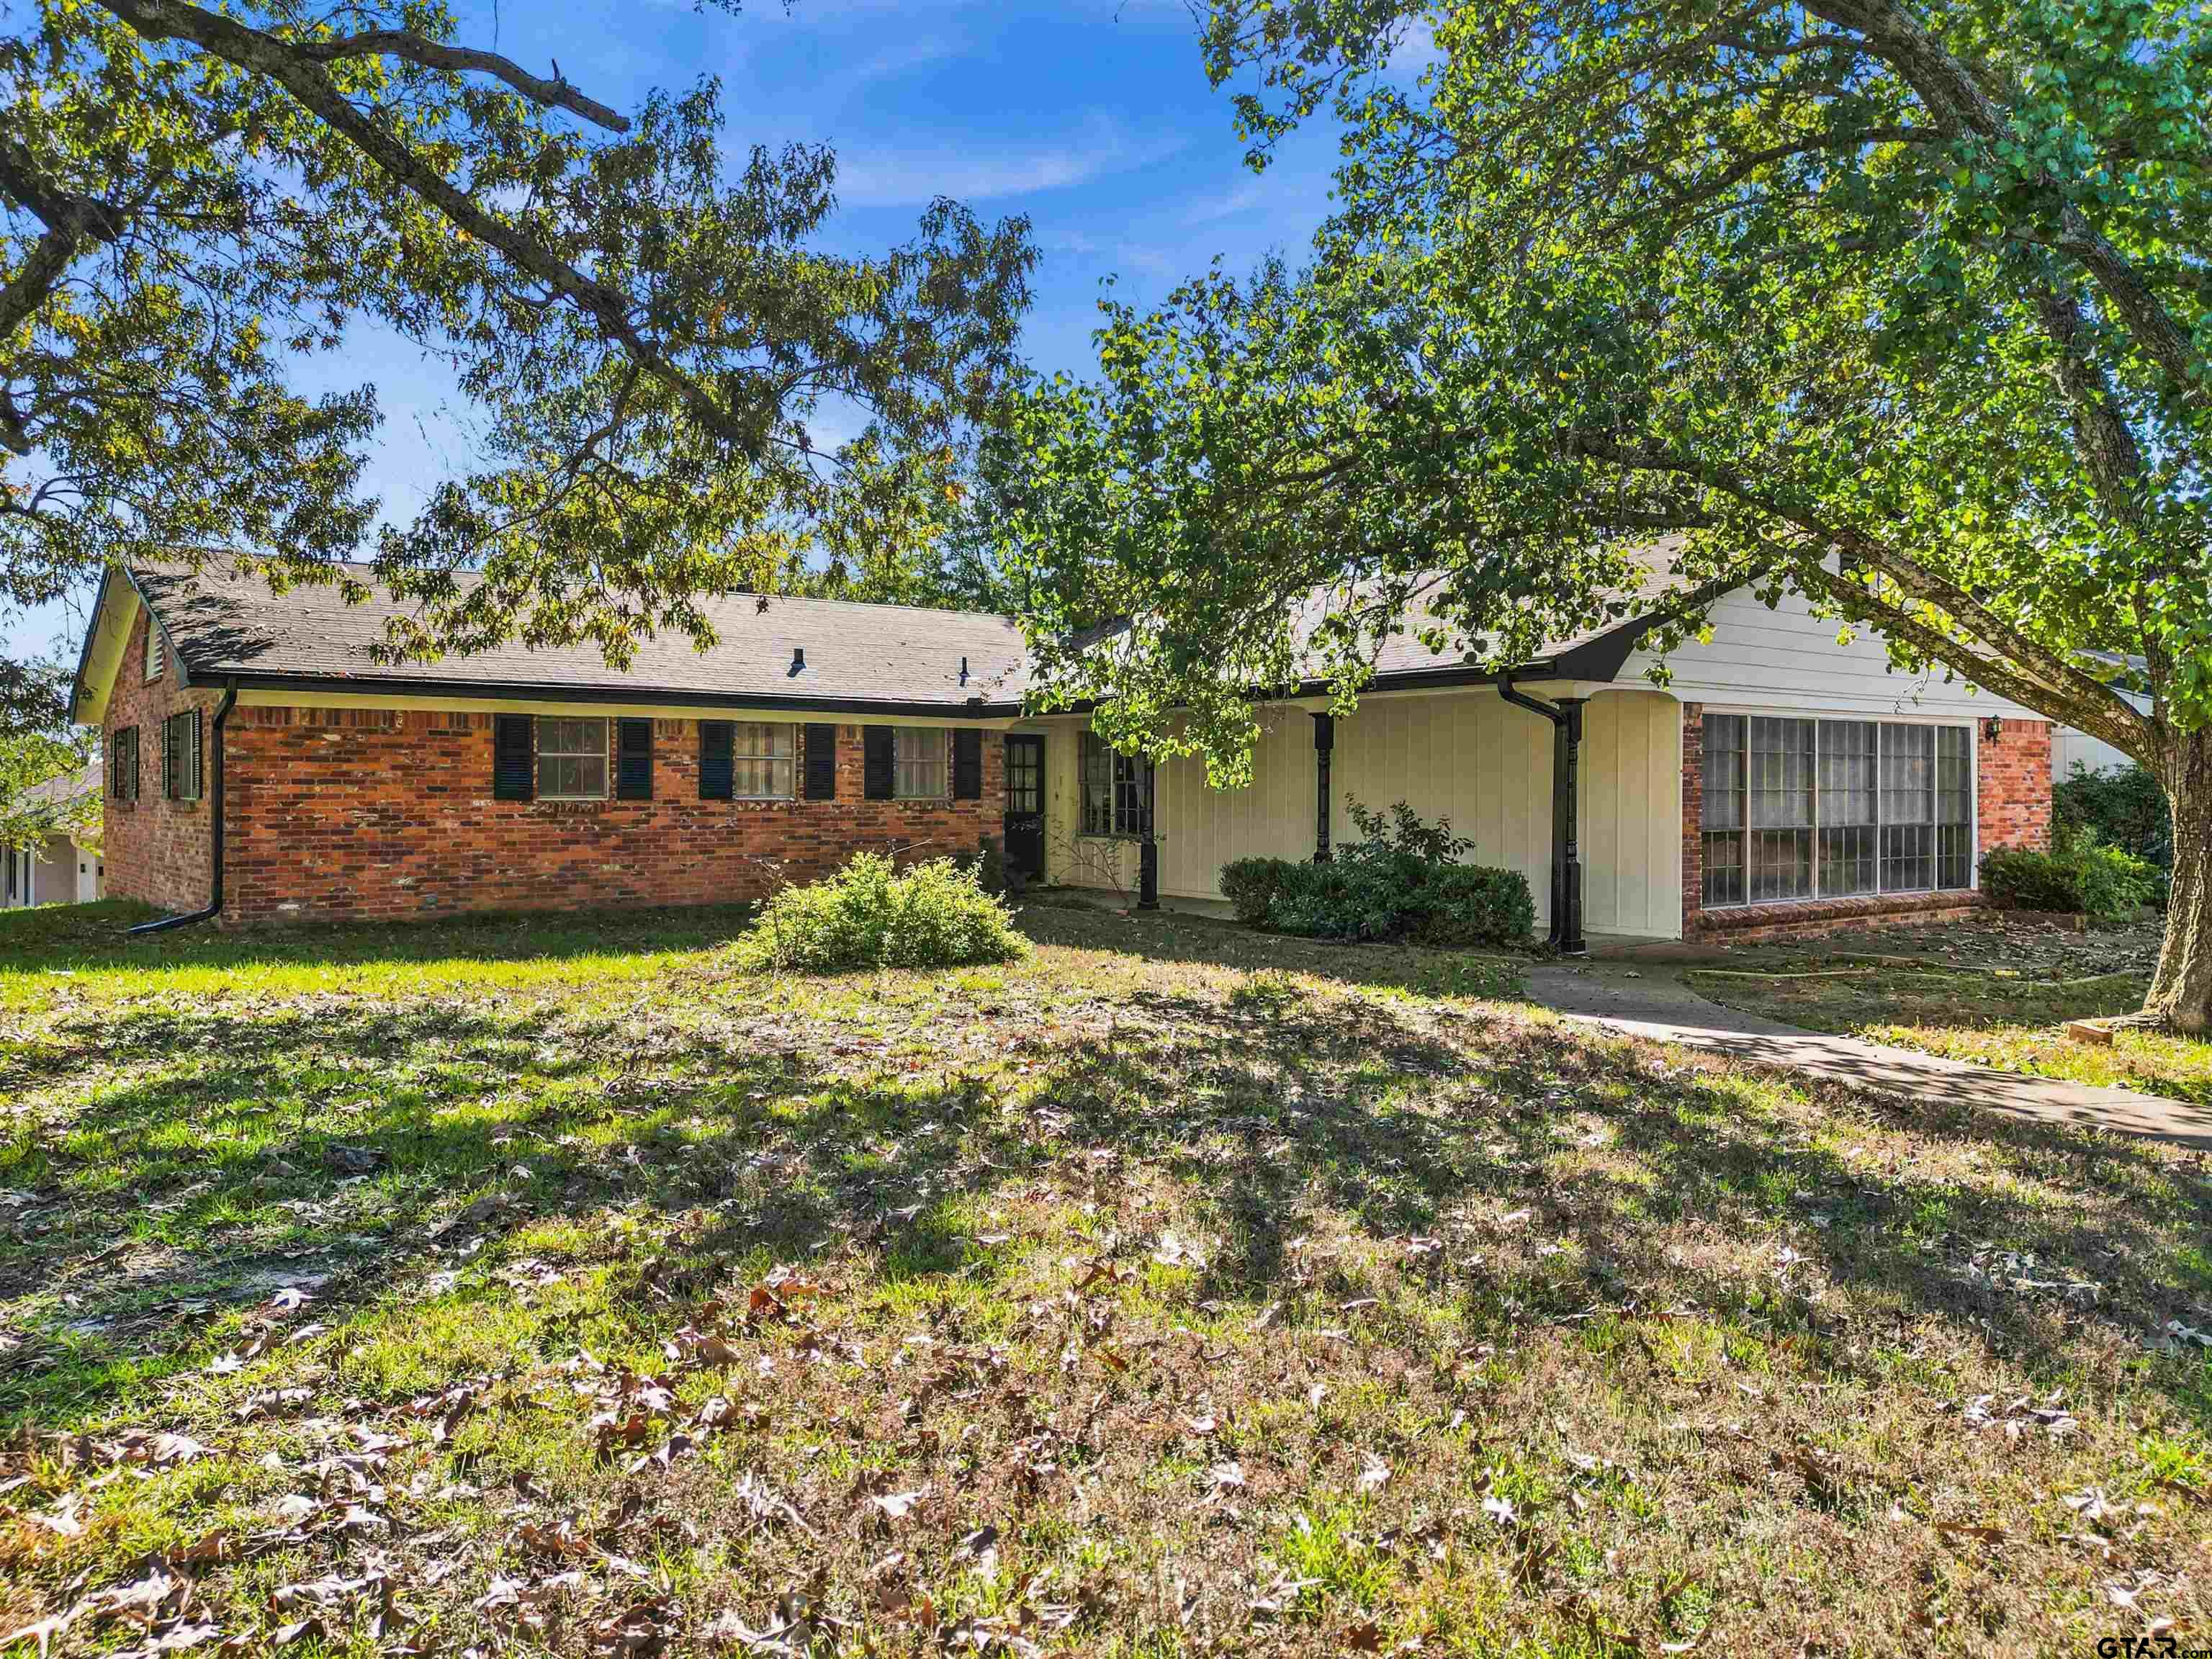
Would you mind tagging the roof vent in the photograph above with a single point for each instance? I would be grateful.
(963, 671)
(798, 659)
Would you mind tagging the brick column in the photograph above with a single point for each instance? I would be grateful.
(2013, 772)
(1694, 814)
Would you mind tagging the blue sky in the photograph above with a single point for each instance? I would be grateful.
(1093, 118)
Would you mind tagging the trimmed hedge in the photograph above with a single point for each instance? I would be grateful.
(1401, 882)
(871, 914)
(2079, 874)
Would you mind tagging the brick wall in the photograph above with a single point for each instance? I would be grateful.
(1693, 815)
(385, 813)
(2013, 779)
(157, 849)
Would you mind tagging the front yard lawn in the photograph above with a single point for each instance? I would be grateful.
(1996, 992)
(555, 1285)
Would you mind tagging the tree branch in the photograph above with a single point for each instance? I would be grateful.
(282, 61)
(556, 93)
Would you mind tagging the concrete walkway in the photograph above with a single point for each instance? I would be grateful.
(1652, 1001)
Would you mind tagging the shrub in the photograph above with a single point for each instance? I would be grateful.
(2124, 809)
(1470, 904)
(1250, 886)
(2081, 873)
(871, 914)
(2021, 878)
(1400, 881)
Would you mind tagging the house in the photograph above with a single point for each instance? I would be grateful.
(264, 765)
(63, 868)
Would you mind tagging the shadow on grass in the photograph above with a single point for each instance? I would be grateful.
(340, 1135)
(92, 937)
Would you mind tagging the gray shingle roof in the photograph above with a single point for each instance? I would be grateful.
(225, 624)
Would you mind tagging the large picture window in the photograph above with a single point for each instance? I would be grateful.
(1799, 809)
(763, 757)
(571, 758)
(1117, 790)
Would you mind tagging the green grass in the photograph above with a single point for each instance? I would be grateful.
(1175, 1291)
(1997, 996)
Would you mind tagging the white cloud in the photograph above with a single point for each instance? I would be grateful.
(876, 177)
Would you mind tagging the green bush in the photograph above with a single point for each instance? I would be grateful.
(1400, 881)
(2124, 809)
(872, 914)
(2079, 874)
(1250, 886)
(2021, 878)
(1471, 904)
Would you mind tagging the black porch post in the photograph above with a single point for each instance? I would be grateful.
(1567, 795)
(1148, 851)
(1324, 743)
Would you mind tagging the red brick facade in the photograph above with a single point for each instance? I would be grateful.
(2012, 809)
(2013, 771)
(156, 848)
(388, 813)
(376, 813)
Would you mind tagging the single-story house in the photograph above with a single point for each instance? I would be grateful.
(62, 869)
(264, 764)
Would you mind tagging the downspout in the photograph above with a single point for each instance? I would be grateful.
(214, 905)
(1566, 718)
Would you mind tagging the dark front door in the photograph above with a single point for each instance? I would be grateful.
(1025, 805)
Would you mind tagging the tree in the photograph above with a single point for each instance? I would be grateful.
(1903, 306)
(195, 197)
(36, 746)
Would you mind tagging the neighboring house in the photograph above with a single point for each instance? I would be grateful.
(1782, 782)
(2070, 748)
(61, 869)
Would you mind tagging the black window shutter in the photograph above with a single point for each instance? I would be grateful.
(633, 760)
(169, 759)
(717, 740)
(513, 767)
(199, 765)
(967, 765)
(876, 762)
(821, 763)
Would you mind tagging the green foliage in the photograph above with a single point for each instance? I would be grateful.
(38, 751)
(2025, 878)
(1922, 286)
(872, 914)
(643, 319)
(2079, 875)
(1401, 882)
(1250, 885)
(2124, 808)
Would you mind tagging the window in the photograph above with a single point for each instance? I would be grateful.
(1848, 817)
(1954, 807)
(181, 756)
(156, 658)
(1798, 808)
(1117, 790)
(764, 760)
(918, 762)
(571, 758)
(123, 764)
(1778, 769)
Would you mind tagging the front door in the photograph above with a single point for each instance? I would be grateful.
(1025, 805)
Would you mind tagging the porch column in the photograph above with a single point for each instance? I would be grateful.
(1566, 796)
(1148, 850)
(1324, 742)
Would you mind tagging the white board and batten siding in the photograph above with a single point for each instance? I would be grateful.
(1465, 754)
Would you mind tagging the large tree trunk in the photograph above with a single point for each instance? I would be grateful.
(2181, 993)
